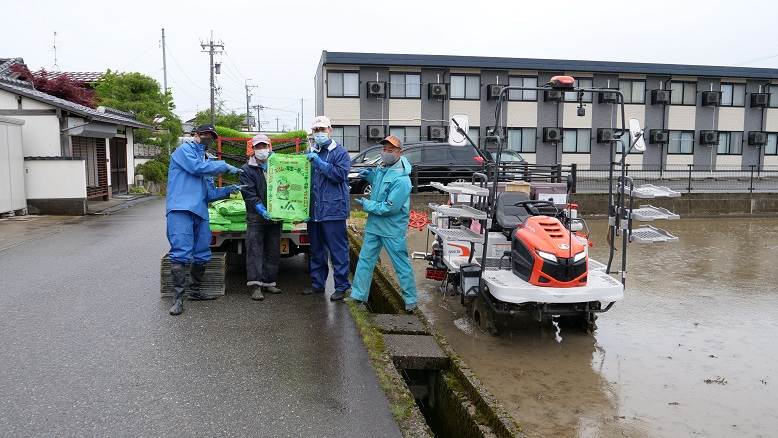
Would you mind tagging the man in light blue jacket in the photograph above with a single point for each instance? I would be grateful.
(388, 213)
(189, 190)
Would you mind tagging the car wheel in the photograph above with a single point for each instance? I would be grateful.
(367, 189)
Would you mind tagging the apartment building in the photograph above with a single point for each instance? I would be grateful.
(708, 116)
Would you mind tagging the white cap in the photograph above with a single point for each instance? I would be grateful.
(260, 138)
(321, 122)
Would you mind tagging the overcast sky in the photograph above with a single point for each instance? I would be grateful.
(277, 44)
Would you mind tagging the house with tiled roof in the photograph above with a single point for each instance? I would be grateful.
(72, 153)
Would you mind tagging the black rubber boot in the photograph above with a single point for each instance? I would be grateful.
(312, 291)
(178, 275)
(256, 293)
(338, 295)
(196, 275)
(272, 290)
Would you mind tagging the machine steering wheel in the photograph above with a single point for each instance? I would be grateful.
(532, 205)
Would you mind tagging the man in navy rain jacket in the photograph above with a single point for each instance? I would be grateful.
(189, 190)
(329, 211)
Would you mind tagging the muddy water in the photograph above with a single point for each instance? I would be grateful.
(691, 351)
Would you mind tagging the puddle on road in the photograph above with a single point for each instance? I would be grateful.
(704, 308)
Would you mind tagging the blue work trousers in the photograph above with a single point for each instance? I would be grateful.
(397, 249)
(329, 241)
(189, 236)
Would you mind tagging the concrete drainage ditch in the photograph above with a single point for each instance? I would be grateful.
(431, 391)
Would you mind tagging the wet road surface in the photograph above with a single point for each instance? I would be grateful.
(87, 346)
(702, 309)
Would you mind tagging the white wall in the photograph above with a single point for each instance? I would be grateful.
(729, 160)
(570, 117)
(731, 119)
(41, 136)
(681, 118)
(107, 158)
(403, 111)
(771, 120)
(342, 110)
(522, 114)
(55, 179)
(130, 157)
(470, 108)
(12, 193)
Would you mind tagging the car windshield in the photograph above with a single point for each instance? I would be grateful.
(368, 156)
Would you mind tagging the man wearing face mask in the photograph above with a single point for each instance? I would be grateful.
(189, 190)
(388, 213)
(263, 236)
(329, 211)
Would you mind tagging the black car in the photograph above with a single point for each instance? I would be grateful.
(432, 161)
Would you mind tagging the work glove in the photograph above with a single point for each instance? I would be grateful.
(234, 188)
(260, 208)
(314, 158)
(233, 170)
(365, 172)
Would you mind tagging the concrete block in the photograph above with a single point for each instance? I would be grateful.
(399, 324)
(418, 352)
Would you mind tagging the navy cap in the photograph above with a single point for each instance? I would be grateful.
(202, 129)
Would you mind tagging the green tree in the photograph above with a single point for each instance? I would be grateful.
(143, 96)
(230, 120)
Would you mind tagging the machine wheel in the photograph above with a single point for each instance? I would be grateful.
(367, 189)
(480, 314)
(588, 322)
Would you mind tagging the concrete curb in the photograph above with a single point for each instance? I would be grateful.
(385, 297)
(124, 205)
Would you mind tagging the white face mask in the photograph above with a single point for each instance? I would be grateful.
(262, 154)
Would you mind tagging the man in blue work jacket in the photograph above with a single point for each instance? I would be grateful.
(329, 211)
(189, 190)
(388, 213)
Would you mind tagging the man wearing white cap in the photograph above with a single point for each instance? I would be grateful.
(263, 235)
(329, 211)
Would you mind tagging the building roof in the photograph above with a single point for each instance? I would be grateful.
(89, 77)
(101, 114)
(7, 63)
(553, 65)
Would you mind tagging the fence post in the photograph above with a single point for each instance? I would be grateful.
(574, 175)
(689, 187)
(415, 174)
(751, 181)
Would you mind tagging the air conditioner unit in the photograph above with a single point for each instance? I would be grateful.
(605, 135)
(436, 132)
(658, 136)
(760, 100)
(551, 135)
(660, 97)
(376, 89)
(376, 132)
(711, 98)
(438, 91)
(757, 138)
(552, 96)
(493, 91)
(607, 97)
(709, 138)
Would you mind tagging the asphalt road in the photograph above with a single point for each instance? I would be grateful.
(87, 347)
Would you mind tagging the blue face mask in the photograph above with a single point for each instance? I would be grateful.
(321, 138)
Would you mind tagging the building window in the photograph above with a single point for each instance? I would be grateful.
(683, 93)
(474, 133)
(348, 136)
(733, 95)
(405, 85)
(624, 143)
(406, 133)
(576, 141)
(633, 91)
(730, 143)
(342, 84)
(681, 143)
(773, 91)
(519, 81)
(771, 148)
(522, 140)
(466, 87)
(572, 96)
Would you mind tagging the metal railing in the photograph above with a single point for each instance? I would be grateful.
(686, 178)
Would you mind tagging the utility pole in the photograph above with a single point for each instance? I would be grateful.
(164, 63)
(259, 122)
(54, 46)
(212, 49)
(277, 124)
(302, 114)
(248, 104)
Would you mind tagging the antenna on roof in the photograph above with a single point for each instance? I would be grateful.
(55, 67)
